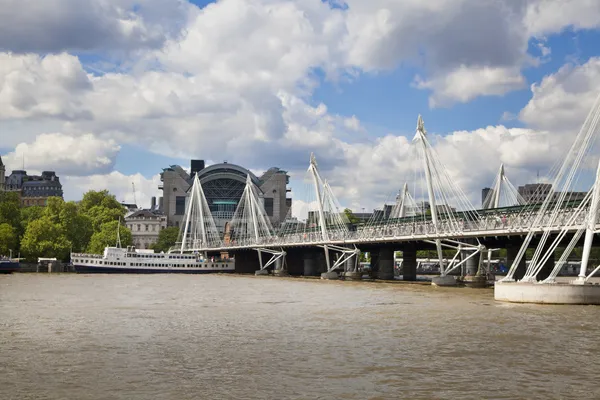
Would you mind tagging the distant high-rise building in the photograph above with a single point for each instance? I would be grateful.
(484, 194)
(538, 192)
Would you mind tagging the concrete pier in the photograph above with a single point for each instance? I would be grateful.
(310, 263)
(351, 272)
(386, 263)
(409, 263)
(374, 264)
(556, 293)
(279, 269)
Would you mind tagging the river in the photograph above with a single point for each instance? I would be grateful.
(67, 336)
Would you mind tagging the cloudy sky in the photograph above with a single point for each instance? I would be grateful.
(109, 92)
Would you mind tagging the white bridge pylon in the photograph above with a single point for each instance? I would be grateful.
(331, 222)
(502, 193)
(585, 215)
(198, 230)
(251, 224)
(405, 206)
(441, 191)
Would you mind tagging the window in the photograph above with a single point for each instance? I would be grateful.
(179, 205)
(269, 206)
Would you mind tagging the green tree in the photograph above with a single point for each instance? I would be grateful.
(100, 215)
(77, 227)
(166, 239)
(45, 238)
(8, 239)
(107, 236)
(353, 219)
(102, 198)
(29, 214)
(10, 209)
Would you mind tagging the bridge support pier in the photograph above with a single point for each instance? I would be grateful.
(472, 264)
(386, 263)
(279, 269)
(472, 267)
(374, 264)
(351, 271)
(310, 263)
(409, 263)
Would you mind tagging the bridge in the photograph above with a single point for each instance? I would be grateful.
(442, 217)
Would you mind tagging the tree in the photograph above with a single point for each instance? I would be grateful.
(10, 209)
(166, 239)
(100, 215)
(353, 219)
(78, 228)
(8, 239)
(107, 236)
(29, 214)
(99, 199)
(45, 238)
(101, 207)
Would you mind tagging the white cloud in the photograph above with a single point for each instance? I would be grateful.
(562, 100)
(70, 155)
(32, 86)
(466, 83)
(551, 16)
(88, 25)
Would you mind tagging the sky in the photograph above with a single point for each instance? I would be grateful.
(108, 93)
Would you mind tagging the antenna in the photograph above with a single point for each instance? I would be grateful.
(134, 197)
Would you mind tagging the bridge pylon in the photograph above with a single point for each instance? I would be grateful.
(502, 193)
(539, 285)
(251, 226)
(198, 231)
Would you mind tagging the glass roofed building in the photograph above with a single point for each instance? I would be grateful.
(223, 185)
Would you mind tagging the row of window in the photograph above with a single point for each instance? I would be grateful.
(174, 257)
(122, 264)
(147, 228)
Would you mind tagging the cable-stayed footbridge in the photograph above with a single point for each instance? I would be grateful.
(430, 209)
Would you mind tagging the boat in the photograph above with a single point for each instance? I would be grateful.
(135, 261)
(9, 265)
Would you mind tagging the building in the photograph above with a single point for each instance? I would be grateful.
(33, 190)
(223, 185)
(535, 192)
(538, 192)
(145, 226)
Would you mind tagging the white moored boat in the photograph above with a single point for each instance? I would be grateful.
(132, 260)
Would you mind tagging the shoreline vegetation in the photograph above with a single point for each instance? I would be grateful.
(64, 227)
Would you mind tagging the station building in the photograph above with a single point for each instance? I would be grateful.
(223, 185)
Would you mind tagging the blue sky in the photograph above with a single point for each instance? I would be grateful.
(264, 83)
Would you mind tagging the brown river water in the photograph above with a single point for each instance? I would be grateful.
(68, 336)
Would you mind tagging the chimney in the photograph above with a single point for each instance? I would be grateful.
(196, 166)
(153, 203)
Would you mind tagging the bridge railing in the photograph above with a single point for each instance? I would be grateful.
(517, 222)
